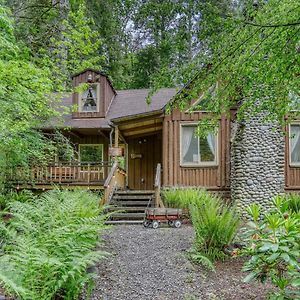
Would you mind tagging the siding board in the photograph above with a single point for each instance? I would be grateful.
(206, 176)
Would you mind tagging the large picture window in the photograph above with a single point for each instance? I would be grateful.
(89, 99)
(295, 144)
(91, 153)
(195, 150)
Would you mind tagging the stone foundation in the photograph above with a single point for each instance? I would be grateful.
(257, 163)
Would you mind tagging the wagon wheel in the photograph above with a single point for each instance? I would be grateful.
(146, 223)
(171, 223)
(155, 224)
(177, 223)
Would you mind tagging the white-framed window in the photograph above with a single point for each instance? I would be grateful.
(89, 100)
(294, 145)
(195, 150)
(90, 153)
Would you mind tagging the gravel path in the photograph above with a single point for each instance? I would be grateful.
(152, 264)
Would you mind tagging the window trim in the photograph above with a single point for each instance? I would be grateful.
(97, 84)
(214, 163)
(292, 164)
(79, 151)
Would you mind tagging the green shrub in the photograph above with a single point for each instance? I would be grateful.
(49, 244)
(22, 196)
(184, 197)
(274, 246)
(215, 226)
(293, 201)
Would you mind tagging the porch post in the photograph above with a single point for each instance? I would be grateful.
(116, 136)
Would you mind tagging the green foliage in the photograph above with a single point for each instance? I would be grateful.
(215, 227)
(274, 246)
(254, 56)
(214, 222)
(49, 244)
(183, 198)
(73, 50)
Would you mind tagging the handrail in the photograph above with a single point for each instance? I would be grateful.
(115, 179)
(157, 187)
(61, 172)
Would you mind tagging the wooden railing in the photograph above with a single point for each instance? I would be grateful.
(116, 179)
(157, 187)
(61, 173)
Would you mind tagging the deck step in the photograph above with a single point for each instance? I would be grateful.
(123, 222)
(129, 203)
(126, 215)
(131, 197)
(133, 192)
(126, 208)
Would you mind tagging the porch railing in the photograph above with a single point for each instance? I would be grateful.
(61, 173)
(157, 187)
(115, 179)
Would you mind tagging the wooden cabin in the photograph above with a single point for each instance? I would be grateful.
(153, 148)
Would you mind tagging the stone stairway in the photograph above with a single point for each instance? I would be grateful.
(129, 206)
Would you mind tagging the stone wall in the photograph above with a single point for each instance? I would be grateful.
(257, 162)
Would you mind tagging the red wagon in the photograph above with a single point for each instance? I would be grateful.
(154, 216)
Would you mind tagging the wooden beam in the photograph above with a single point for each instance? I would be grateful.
(139, 128)
(116, 136)
(143, 131)
(140, 123)
(102, 134)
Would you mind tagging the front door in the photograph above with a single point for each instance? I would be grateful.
(144, 153)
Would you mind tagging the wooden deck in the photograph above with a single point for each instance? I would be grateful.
(89, 175)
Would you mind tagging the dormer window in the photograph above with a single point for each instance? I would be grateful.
(89, 100)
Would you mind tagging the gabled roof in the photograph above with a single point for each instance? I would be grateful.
(133, 102)
(126, 103)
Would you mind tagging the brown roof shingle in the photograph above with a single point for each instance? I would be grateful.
(125, 103)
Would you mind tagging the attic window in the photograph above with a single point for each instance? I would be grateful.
(89, 100)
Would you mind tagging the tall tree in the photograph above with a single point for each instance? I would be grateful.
(24, 98)
(255, 61)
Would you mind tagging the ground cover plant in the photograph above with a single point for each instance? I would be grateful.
(274, 246)
(48, 244)
(215, 223)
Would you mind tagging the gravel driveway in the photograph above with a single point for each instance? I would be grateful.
(152, 264)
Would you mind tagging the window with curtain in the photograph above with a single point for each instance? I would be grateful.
(197, 150)
(295, 144)
(89, 99)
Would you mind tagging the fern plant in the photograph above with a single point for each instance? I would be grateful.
(49, 244)
(215, 226)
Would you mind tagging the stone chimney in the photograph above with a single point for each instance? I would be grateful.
(257, 162)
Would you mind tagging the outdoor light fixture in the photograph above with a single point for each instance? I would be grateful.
(90, 78)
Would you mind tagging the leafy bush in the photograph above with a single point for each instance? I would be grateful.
(215, 227)
(183, 198)
(293, 201)
(22, 196)
(274, 247)
(49, 244)
(214, 222)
